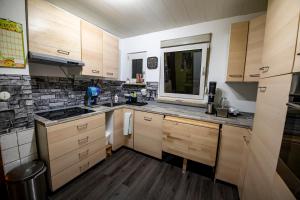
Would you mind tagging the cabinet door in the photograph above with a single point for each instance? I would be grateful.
(148, 133)
(110, 56)
(91, 45)
(297, 56)
(244, 163)
(280, 37)
(280, 190)
(255, 48)
(118, 137)
(237, 51)
(231, 154)
(53, 31)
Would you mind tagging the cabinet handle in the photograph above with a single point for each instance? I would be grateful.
(264, 69)
(262, 89)
(84, 167)
(95, 71)
(235, 75)
(109, 73)
(83, 155)
(149, 119)
(254, 75)
(83, 141)
(298, 54)
(63, 52)
(81, 127)
(245, 139)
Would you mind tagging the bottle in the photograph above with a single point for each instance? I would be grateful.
(116, 99)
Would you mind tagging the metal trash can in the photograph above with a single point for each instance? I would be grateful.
(27, 181)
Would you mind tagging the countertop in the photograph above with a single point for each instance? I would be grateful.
(243, 120)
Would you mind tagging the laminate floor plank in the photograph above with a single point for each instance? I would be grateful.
(128, 175)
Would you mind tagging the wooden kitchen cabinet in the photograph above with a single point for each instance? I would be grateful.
(53, 31)
(191, 139)
(237, 51)
(91, 45)
(148, 133)
(71, 148)
(266, 137)
(233, 149)
(110, 56)
(255, 49)
(281, 190)
(297, 56)
(280, 37)
(119, 139)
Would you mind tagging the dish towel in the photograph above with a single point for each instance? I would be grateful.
(127, 125)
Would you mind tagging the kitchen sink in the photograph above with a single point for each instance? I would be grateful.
(113, 104)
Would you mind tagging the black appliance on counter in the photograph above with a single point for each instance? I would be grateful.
(64, 113)
(211, 98)
(288, 166)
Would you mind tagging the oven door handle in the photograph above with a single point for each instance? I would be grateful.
(293, 105)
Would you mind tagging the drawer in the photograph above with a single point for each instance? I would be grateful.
(196, 143)
(60, 148)
(69, 159)
(65, 130)
(148, 124)
(75, 170)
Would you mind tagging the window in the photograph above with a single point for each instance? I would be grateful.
(183, 72)
(136, 65)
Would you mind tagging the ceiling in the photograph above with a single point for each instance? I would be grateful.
(126, 18)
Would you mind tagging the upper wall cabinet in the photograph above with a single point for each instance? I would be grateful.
(255, 49)
(237, 51)
(110, 56)
(297, 58)
(280, 37)
(53, 31)
(91, 47)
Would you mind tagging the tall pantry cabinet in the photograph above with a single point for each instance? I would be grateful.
(279, 56)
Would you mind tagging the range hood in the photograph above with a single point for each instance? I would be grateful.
(53, 60)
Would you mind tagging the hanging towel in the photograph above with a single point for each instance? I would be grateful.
(127, 125)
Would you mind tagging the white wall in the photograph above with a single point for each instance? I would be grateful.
(14, 10)
(240, 95)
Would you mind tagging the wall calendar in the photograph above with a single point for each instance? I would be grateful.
(11, 44)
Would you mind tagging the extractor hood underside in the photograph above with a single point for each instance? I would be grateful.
(53, 60)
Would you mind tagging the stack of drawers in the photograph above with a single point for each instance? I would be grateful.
(71, 148)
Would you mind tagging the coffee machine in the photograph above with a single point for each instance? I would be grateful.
(92, 95)
(211, 98)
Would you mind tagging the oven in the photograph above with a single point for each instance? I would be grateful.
(288, 166)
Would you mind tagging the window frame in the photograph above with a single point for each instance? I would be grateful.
(203, 75)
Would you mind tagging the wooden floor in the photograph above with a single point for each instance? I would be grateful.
(131, 175)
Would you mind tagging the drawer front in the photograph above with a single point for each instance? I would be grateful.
(148, 145)
(66, 130)
(69, 159)
(70, 173)
(70, 144)
(148, 124)
(192, 142)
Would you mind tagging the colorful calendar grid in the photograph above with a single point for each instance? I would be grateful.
(11, 44)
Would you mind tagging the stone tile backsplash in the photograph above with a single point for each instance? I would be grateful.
(16, 112)
(56, 92)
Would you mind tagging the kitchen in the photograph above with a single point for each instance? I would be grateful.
(131, 100)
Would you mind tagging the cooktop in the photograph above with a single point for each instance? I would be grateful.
(64, 113)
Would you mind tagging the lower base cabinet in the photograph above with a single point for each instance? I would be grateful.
(233, 155)
(71, 148)
(191, 139)
(148, 133)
